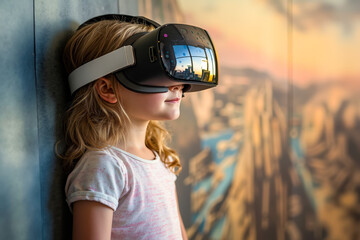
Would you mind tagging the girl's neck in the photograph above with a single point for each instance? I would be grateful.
(135, 142)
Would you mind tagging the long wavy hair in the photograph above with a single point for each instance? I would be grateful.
(90, 122)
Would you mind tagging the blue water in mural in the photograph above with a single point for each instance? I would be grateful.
(309, 185)
(211, 143)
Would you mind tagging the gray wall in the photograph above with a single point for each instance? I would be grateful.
(33, 96)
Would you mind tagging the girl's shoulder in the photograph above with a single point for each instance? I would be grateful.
(101, 158)
(126, 156)
(98, 176)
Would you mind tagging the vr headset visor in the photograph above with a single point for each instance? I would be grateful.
(150, 62)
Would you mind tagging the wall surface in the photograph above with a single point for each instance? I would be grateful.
(20, 207)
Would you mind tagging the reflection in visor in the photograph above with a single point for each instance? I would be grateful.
(196, 64)
(187, 53)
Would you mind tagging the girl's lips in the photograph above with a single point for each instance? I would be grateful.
(174, 100)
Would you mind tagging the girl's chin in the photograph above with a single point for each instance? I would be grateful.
(173, 116)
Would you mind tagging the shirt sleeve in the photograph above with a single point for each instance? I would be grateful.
(97, 176)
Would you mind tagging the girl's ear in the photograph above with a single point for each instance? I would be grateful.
(105, 90)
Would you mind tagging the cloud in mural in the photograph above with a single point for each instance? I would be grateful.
(316, 14)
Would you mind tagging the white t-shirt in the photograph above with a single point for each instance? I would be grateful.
(141, 193)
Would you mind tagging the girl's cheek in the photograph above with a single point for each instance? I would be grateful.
(155, 98)
(146, 101)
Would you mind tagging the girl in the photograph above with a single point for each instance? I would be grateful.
(121, 184)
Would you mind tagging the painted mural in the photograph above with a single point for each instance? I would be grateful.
(273, 152)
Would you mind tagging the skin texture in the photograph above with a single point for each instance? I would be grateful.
(92, 220)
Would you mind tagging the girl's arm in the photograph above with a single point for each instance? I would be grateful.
(183, 231)
(91, 221)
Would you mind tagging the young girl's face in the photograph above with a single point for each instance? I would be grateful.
(153, 106)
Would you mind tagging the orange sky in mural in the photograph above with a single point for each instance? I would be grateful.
(250, 33)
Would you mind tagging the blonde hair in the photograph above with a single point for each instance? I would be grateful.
(90, 122)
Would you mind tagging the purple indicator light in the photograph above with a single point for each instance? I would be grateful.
(165, 35)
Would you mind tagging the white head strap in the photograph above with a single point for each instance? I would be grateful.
(101, 66)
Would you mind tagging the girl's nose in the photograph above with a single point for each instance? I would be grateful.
(176, 88)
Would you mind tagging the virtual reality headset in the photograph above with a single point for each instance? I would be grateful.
(150, 62)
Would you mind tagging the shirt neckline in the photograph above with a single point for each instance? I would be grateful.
(157, 157)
